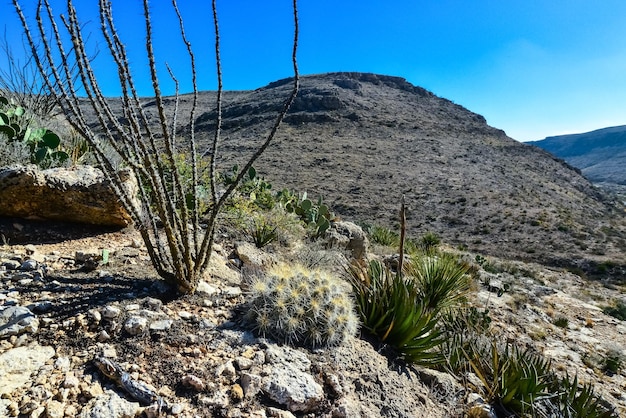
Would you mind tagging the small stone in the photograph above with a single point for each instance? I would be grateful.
(279, 413)
(161, 325)
(55, 409)
(136, 325)
(71, 381)
(176, 409)
(29, 265)
(103, 336)
(111, 312)
(154, 304)
(11, 264)
(133, 307)
(250, 384)
(62, 363)
(30, 249)
(226, 370)
(95, 315)
(243, 363)
(232, 292)
(236, 393)
(193, 382)
(185, 315)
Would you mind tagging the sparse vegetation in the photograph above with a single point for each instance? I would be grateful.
(561, 322)
(617, 311)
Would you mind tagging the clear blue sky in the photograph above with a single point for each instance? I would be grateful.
(533, 68)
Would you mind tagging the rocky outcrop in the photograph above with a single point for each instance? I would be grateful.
(79, 194)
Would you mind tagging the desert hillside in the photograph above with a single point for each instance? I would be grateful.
(599, 154)
(361, 141)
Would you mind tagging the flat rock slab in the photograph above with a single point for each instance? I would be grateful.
(18, 364)
(77, 194)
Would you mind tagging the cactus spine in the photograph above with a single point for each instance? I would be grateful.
(301, 307)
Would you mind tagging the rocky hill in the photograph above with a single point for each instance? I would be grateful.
(361, 141)
(600, 154)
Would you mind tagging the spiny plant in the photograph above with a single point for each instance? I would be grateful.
(391, 308)
(44, 145)
(569, 399)
(443, 280)
(177, 234)
(301, 307)
(315, 215)
(262, 232)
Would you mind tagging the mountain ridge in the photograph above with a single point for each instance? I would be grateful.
(599, 154)
(362, 141)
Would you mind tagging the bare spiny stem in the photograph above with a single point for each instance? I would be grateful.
(165, 205)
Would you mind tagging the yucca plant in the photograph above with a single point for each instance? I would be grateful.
(262, 232)
(391, 308)
(512, 378)
(443, 280)
(383, 236)
(570, 400)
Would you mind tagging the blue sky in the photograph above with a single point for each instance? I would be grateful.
(532, 68)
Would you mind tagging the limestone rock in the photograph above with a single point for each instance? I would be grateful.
(288, 383)
(78, 194)
(350, 236)
(110, 404)
(16, 320)
(17, 365)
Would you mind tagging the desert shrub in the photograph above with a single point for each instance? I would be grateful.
(618, 311)
(570, 400)
(429, 242)
(261, 231)
(391, 308)
(613, 361)
(561, 322)
(302, 307)
(383, 236)
(512, 378)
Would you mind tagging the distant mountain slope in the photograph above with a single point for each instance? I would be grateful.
(363, 140)
(600, 154)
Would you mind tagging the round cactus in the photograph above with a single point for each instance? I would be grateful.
(301, 307)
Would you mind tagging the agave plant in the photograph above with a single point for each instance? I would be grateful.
(443, 280)
(391, 308)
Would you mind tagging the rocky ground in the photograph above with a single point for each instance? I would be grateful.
(61, 307)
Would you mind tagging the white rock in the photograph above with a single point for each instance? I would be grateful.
(136, 325)
(17, 365)
(108, 405)
(111, 312)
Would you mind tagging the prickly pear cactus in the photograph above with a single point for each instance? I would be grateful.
(301, 307)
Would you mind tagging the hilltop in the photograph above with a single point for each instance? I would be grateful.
(361, 141)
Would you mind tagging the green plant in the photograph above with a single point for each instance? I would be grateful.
(512, 378)
(315, 215)
(42, 143)
(262, 232)
(302, 307)
(429, 242)
(570, 400)
(383, 236)
(443, 280)
(618, 311)
(254, 188)
(561, 322)
(391, 308)
(613, 361)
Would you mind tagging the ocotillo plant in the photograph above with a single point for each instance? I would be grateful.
(167, 215)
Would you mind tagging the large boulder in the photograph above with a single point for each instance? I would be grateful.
(77, 194)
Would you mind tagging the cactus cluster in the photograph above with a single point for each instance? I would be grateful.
(301, 307)
(318, 216)
(43, 143)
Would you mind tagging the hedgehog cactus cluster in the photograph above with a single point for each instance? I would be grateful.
(301, 307)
